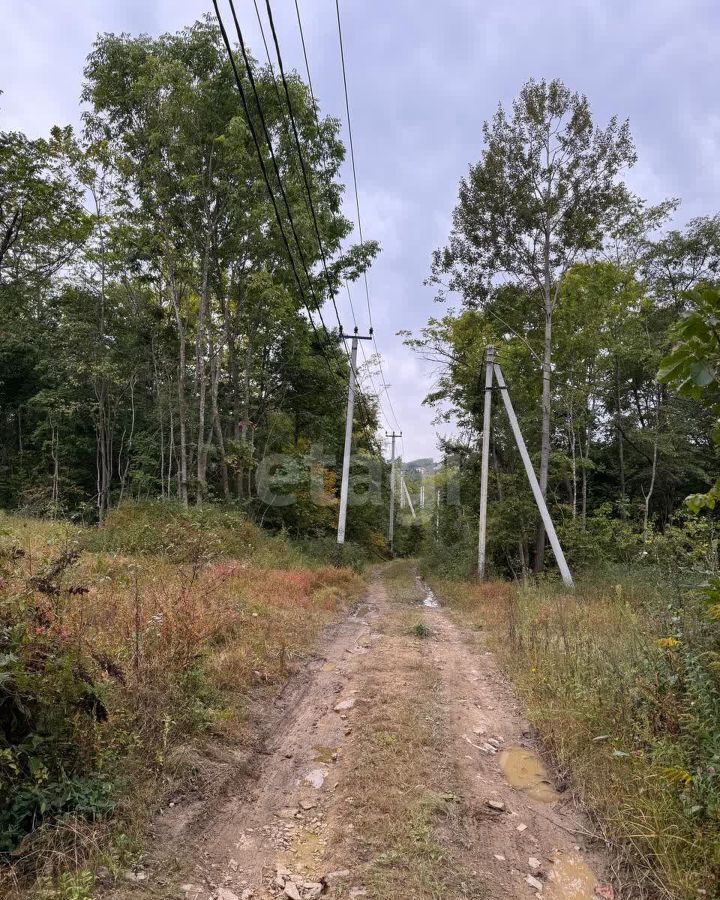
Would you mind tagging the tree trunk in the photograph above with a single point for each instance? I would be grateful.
(246, 408)
(572, 440)
(123, 471)
(55, 455)
(217, 424)
(103, 454)
(585, 457)
(171, 445)
(545, 439)
(648, 494)
(234, 372)
(618, 421)
(200, 353)
(182, 402)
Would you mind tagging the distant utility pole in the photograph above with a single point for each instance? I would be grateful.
(344, 488)
(391, 526)
(494, 369)
(485, 450)
(437, 513)
(422, 492)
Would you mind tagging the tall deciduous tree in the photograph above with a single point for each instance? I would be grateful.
(547, 191)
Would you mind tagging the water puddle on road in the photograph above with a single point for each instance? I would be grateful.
(524, 771)
(570, 878)
(306, 853)
(429, 600)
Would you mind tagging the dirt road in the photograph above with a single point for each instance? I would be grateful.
(398, 766)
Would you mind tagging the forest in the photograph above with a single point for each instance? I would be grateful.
(173, 365)
(155, 344)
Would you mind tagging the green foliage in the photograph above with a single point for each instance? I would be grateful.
(182, 535)
(602, 539)
(409, 537)
(51, 706)
(68, 886)
(691, 368)
(154, 344)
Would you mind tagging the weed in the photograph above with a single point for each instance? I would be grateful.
(422, 631)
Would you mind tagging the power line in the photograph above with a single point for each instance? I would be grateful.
(280, 102)
(352, 152)
(306, 181)
(317, 123)
(276, 169)
(266, 179)
(304, 48)
(357, 198)
(357, 204)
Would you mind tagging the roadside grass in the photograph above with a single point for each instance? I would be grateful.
(407, 818)
(118, 667)
(620, 678)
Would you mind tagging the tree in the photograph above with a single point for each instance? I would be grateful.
(692, 368)
(200, 227)
(546, 192)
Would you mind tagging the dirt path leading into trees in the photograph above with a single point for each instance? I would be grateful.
(398, 765)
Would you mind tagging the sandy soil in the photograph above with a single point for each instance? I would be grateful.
(287, 829)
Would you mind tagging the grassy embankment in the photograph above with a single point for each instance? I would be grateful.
(621, 679)
(125, 653)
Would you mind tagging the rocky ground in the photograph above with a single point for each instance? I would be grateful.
(397, 765)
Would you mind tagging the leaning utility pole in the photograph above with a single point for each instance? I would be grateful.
(344, 488)
(482, 537)
(494, 369)
(391, 526)
(532, 478)
(404, 489)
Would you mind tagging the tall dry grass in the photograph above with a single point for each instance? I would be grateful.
(163, 655)
(618, 704)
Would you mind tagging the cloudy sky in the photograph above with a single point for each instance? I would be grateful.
(423, 77)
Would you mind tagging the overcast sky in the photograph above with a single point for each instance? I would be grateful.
(423, 76)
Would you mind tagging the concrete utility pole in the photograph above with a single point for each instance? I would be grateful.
(532, 478)
(345, 486)
(391, 526)
(422, 492)
(482, 537)
(407, 496)
(437, 513)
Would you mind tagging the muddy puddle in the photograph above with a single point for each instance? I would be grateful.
(570, 878)
(326, 754)
(524, 771)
